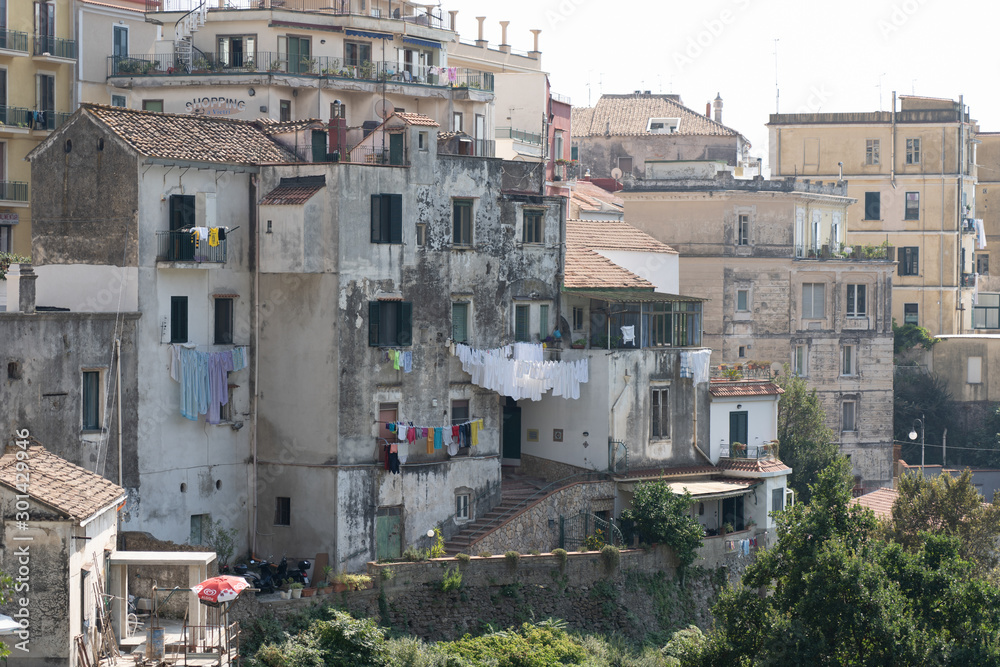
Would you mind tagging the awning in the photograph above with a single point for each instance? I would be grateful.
(422, 42)
(369, 35)
(711, 489)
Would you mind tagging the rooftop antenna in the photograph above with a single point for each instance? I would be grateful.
(913, 87)
(659, 81)
(777, 91)
(880, 90)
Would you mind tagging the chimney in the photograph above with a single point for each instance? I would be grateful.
(481, 41)
(504, 46)
(717, 106)
(648, 92)
(535, 52)
(708, 109)
(338, 128)
(453, 13)
(26, 285)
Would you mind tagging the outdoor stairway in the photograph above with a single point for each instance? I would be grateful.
(515, 490)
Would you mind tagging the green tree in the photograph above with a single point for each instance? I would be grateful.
(808, 446)
(918, 394)
(660, 515)
(909, 336)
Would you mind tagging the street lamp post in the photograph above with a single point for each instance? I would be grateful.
(913, 436)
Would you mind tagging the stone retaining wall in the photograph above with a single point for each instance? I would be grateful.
(550, 471)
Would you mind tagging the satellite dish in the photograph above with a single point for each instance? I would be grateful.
(616, 173)
(384, 109)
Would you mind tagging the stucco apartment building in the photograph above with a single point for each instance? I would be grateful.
(623, 132)
(913, 174)
(779, 295)
(38, 54)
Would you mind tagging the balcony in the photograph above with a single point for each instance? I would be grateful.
(322, 67)
(331, 7)
(749, 370)
(180, 247)
(856, 253)
(737, 450)
(13, 43)
(54, 49)
(13, 191)
(969, 279)
(30, 119)
(519, 135)
(377, 155)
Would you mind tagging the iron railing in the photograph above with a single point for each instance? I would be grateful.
(181, 247)
(768, 450)
(617, 457)
(375, 155)
(468, 146)
(15, 116)
(13, 191)
(969, 279)
(575, 530)
(12, 40)
(519, 135)
(746, 371)
(55, 46)
(333, 7)
(173, 64)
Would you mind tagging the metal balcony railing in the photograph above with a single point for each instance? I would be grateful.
(333, 7)
(519, 135)
(13, 40)
(969, 279)
(13, 191)
(181, 247)
(769, 450)
(55, 47)
(376, 155)
(750, 370)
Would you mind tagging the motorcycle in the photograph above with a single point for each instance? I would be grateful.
(266, 579)
(297, 575)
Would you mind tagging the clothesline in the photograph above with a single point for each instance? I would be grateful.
(518, 371)
(458, 435)
(204, 378)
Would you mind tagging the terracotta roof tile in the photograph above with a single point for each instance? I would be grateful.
(294, 191)
(190, 137)
(669, 472)
(879, 501)
(270, 126)
(612, 235)
(628, 115)
(590, 197)
(71, 490)
(752, 465)
(587, 268)
(417, 119)
(724, 388)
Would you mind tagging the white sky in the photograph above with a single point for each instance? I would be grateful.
(831, 56)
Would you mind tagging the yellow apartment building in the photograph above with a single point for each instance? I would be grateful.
(37, 59)
(913, 174)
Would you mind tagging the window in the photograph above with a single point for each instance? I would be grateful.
(975, 370)
(912, 206)
(118, 101)
(6, 232)
(577, 318)
(872, 151)
(739, 426)
(45, 27)
(911, 313)
(659, 414)
(200, 524)
(460, 322)
(296, 52)
(152, 105)
(119, 41)
(913, 151)
(777, 499)
(356, 53)
(743, 230)
(421, 234)
(46, 96)
(742, 351)
(800, 360)
(557, 145)
(873, 206)
(625, 164)
(228, 411)
(522, 314)
(462, 217)
(986, 313)
(813, 301)
(857, 302)
(848, 360)
(574, 152)
(237, 50)
(178, 319)
(284, 110)
(390, 323)
(543, 321)
(982, 264)
(459, 412)
(908, 259)
(742, 300)
(816, 221)
(223, 321)
(848, 416)
(388, 413)
(92, 401)
(422, 143)
(282, 511)
(532, 232)
(462, 507)
(387, 218)
(456, 121)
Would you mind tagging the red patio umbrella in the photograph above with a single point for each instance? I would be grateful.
(223, 588)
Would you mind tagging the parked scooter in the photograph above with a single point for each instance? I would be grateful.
(267, 580)
(298, 574)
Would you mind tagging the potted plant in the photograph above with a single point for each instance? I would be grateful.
(200, 65)
(357, 582)
(308, 591)
(579, 344)
(296, 590)
(339, 582)
(726, 529)
(327, 585)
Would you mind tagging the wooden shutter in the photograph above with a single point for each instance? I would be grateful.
(377, 219)
(914, 261)
(404, 333)
(807, 300)
(373, 311)
(395, 218)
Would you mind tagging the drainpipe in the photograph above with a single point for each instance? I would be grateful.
(892, 150)
(255, 221)
(614, 406)
(118, 354)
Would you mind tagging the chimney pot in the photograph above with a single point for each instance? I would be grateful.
(535, 32)
(453, 13)
(717, 105)
(481, 41)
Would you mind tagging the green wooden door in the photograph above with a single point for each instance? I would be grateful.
(319, 146)
(738, 427)
(389, 533)
(396, 149)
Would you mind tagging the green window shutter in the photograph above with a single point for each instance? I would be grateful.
(521, 323)
(543, 322)
(900, 258)
(915, 262)
(460, 322)
(395, 218)
(373, 310)
(404, 335)
(377, 219)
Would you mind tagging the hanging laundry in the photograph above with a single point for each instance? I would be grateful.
(407, 361)
(628, 334)
(401, 431)
(395, 360)
(222, 233)
(476, 425)
(519, 371)
(204, 379)
(431, 439)
(213, 237)
(438, 438)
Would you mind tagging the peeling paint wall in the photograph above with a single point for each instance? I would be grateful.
(601, 154)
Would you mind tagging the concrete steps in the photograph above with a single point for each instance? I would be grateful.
(515, 491)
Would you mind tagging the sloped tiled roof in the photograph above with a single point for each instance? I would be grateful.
(294, 191)
(612, 235)
(726, 388)
(628, 115)
(272, 127)
(879, 501)
(196, 138)
(587, 268)
(76, 493)
(591, 197)
(669, 472)
(752, 465)
(416, 119)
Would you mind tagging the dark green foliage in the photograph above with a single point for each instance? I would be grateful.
(660, 516)
(919, 394)
(909, 336)
(529, 646)
(339, 641)
(807, 445)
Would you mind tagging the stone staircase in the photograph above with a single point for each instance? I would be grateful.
(515, 490)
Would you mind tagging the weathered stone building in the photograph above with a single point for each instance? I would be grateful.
(781, 292)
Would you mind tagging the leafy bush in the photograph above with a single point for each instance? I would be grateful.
(660, 515)
(415, 555)
(611, 557)
(437, 549)
(562, 556)
(529, 646)
(513, 558)
(463, 558)
(339, 641)
(452, 580)
(596, 541)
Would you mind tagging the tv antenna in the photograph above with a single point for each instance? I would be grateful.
(777, 91)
